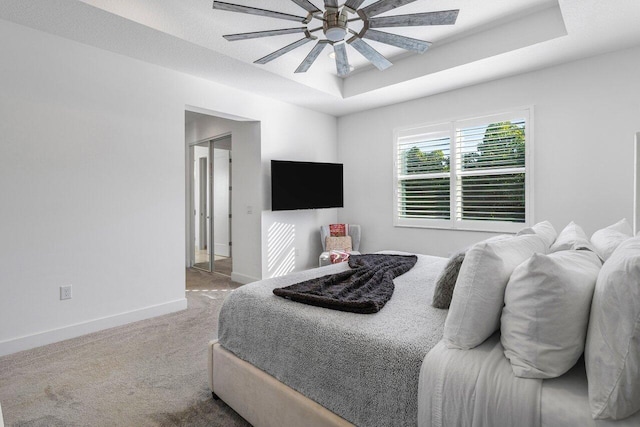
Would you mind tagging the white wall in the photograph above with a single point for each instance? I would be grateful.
(586, 115)
(79, 207)
(300, 140)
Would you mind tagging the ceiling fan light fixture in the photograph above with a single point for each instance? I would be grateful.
(335, 34)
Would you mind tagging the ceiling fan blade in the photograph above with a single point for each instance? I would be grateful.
(381, 6)
(370, 53)
(307, 5)
(403, 42)
(353, 5)
(255, 11)
(278, 53)
(258, 34)
(331, 3)
(342, 61)
(312, 56)
(444, 17)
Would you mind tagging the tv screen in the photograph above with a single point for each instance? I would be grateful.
(305, 185)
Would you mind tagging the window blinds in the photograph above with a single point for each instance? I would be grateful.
(424, 182)
(490, 166)
(463, 173)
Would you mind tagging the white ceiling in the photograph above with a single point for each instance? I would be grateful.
(491, 39)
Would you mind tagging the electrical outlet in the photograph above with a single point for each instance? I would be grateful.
(65, 292)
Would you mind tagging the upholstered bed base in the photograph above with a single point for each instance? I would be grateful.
(261, 399)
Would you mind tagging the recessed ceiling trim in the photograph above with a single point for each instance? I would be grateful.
(537, 27)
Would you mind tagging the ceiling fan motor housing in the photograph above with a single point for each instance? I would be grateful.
(335, 24)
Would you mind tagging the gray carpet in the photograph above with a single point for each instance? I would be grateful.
(202, 265)
(221, 266)
(148, 373)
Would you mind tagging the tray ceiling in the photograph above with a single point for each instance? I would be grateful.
(491, 39)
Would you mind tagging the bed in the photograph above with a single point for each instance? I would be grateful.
(282, 363)
(477, 387)
(362, 367)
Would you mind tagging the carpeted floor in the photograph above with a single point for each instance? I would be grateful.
(148, 373)
(222, 266)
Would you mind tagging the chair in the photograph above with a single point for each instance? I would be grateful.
(354, 232)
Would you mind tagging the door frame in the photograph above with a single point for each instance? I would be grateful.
(191, 200)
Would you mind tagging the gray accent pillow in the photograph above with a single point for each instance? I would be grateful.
(446, 282)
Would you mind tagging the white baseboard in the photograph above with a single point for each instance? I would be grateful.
(242, 278)
(60, 334)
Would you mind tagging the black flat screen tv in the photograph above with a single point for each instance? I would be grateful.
(305, 185)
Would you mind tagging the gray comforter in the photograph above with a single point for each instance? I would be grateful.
(364, 368)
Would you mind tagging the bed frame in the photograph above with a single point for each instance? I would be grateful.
(261, 399)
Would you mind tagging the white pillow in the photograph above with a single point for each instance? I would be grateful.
(478, 297)
(612, 353)
(572, 237)
(543, 229)
(546, 312)
(606, 240)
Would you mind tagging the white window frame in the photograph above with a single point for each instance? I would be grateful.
(454, 223)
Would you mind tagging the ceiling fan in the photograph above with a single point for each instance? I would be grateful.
(335, 26)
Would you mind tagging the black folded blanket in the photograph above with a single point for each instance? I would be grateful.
(365, 288)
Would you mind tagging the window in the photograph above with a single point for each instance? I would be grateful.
(467, 174)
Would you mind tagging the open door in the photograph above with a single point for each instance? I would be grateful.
(201, 206)
(222, 216)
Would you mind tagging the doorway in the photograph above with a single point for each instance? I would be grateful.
(210, 231)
